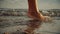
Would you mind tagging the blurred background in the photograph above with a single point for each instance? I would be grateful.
(13, 16)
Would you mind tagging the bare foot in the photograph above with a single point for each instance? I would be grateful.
(47, 19)
(40, 17)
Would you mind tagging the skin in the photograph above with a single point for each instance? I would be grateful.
(37, 17)
(33, 11)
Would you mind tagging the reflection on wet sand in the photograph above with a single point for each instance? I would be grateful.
(32, 25)
(37, 17)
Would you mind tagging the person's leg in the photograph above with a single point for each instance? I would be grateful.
(34, 13)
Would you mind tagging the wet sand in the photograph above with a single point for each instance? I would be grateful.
(18, 24)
